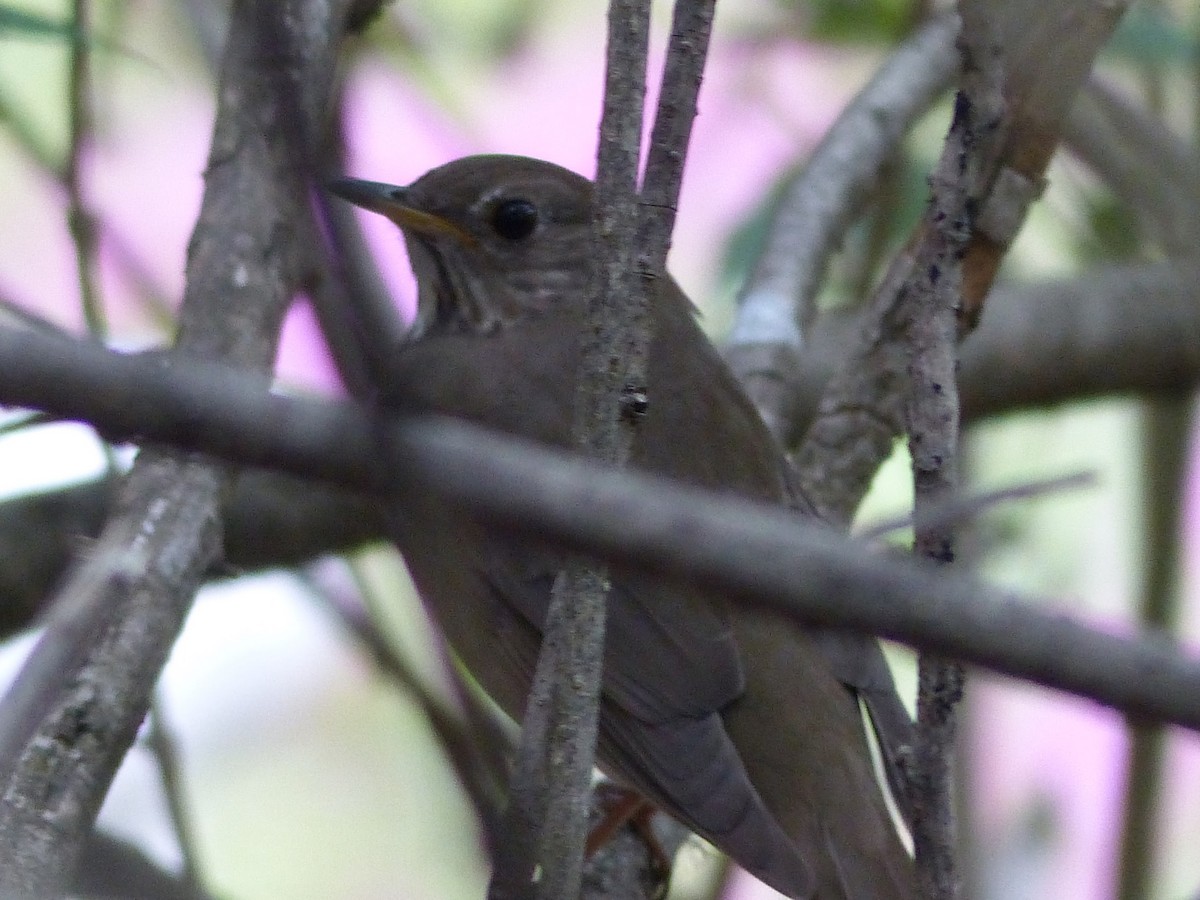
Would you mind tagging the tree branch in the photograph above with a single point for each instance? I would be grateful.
(756, 553)
(543, 854)
(81, 223)
(691, 28)
(777, 304)
(76, 705)
(1118, 330)
(1047, 51)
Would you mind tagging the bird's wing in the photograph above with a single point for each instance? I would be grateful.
(857, 661)
(660, 730)
(690, 768)
(668, 652)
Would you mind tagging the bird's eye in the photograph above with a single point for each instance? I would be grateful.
(514, 219)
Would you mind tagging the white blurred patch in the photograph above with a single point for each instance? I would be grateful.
(47, 456)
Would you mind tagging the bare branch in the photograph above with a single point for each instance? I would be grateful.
(1117, 330)
(80, 222)
(927, 303)
(1166, 440)
(165, 747)
(777, 304)
(755, 553)
(358, 318)
(691, 27)
(548, 807)
(1015, 93)
(966, 506)
(1046, 56)
(471, 735)
(76, 705)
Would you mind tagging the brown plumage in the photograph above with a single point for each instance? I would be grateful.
(740, 723)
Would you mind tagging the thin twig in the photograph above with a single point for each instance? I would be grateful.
(80, 222)
(358, 319)
(960, 508)
(687, 51)
(981, 190)
(94, 223)
(928, 302)
(165, 747)
(620, 325)
(474, 742)
(550, 789)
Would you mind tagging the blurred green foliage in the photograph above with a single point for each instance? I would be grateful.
(1153, 34)
(857, 21)
(18, 22)
(868, 243)
(1111, 231)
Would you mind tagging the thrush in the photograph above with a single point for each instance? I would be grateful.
(739, 722)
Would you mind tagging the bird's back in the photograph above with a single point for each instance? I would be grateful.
(726, 717)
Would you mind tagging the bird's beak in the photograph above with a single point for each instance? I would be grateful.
(392, 201)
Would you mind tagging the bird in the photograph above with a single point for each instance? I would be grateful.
(739, 722)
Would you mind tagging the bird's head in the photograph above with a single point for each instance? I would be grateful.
(492, 239)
